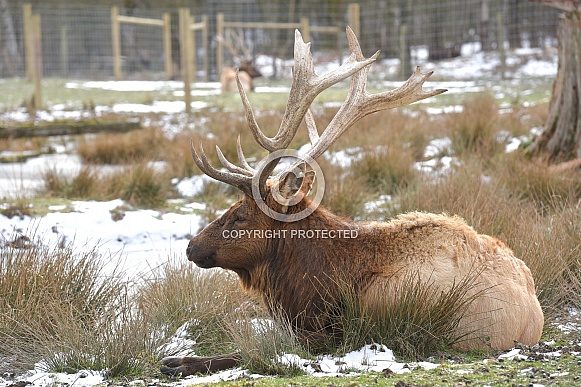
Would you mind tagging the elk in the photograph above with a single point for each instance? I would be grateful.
(246, 69)
(301, 275)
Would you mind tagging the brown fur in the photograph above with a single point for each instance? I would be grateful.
(246, 73)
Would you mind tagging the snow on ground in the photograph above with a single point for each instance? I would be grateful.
(141, 239)
(372, 357)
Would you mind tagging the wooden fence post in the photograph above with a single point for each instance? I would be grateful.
(64, 50)
(353, 19)
(192, 59)
(167, 45)
(205, 44)
(116, 37)
(28, 40)
(37, 35)
(184, 29)
(305, 29)
(500, 43)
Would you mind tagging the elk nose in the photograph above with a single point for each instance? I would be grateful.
(189, 249)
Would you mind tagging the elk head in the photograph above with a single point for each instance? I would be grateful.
(235, 43)
(272, 201)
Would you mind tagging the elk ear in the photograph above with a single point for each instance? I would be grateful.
(293, 186)
(296, 181)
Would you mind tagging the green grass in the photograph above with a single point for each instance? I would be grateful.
(477, 373)
(16, 91)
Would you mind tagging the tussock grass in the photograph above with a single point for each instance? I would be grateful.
(61, 308)
(421, 320)
(263, 342)
(474, 131)
(182, 293)
(385, 170)
(107, 148)
(534, 181)
(19, 207)
(140, 185)
(340, 195)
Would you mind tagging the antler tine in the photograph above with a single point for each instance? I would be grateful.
(231, 167)
(243, 182)
(242, 158)
(305, 87)
(229, 46)
(359, 103)
(242, 44)
(311, 127)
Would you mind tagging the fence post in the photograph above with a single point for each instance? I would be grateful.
(404, 56)
(353, 19)
(305, 29)
(167, 45)
(116, 36)
(28, 40)
(193, 51)
(65, 50)
(37, 34)
(205, 44)
(220, 45)
(184, 29)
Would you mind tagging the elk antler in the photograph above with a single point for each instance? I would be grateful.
(305, 87)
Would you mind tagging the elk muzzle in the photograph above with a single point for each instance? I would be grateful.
(202, 257)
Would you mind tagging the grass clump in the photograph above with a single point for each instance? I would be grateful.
(109, 148)
(341, 198)
(535, 181)
(385, 170)
(140, 185)
(422, 317)
(263, 342)
(474, 131)
(182, 294)
(61, 311)
(218, 317)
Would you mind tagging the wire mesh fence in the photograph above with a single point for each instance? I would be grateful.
(78, 40)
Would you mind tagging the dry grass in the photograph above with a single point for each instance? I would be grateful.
(262, 342)
(182, 293)
(475, 130)
(139, 184)
(385, 171)
(62, 309)
(340, 195)
(421, 320)
(134, 146)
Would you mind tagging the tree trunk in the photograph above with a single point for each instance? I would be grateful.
(561, 137)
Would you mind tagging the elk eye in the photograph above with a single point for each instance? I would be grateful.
(239, 218)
